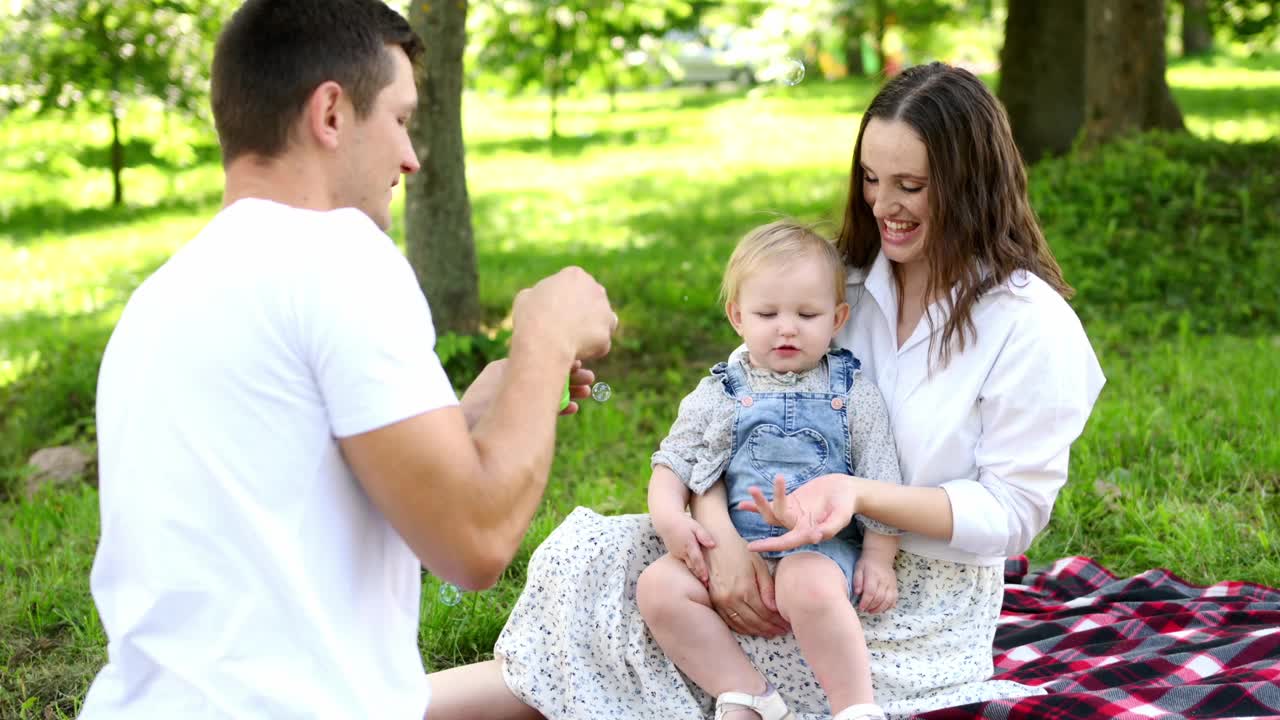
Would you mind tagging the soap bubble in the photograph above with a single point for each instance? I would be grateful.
(792, 72)
(601, 392)
(450, 594)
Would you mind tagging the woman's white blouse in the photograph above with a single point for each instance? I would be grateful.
(994, 427)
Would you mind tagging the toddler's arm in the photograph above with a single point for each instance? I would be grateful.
(683, 536)
(668, 496)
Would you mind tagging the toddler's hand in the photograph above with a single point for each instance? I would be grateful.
(875, 581)
(685, 538)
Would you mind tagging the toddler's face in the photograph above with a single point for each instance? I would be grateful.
(786, 312)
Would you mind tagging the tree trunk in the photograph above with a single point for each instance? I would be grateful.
(882, 11)
(437, 209)
(117, 157)
(555, 91)
(554, 74)
(1125, 88)
(1197, 31)
(1042, 75)
(855, 25)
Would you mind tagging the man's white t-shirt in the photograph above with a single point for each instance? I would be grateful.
(242, 571)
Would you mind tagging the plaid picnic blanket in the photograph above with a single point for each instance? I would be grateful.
(1149, 646)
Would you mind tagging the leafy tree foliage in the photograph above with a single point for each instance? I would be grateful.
(1249, 21)
(57, 55)
(556, 44)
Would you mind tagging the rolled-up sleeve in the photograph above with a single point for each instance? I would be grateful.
(1033, 405)
(698, 445)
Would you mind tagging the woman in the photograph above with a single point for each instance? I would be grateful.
(959, 316)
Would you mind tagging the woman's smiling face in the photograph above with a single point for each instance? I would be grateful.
(895, 185)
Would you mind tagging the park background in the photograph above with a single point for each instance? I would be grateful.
(581, 147)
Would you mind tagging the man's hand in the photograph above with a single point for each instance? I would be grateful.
(567, 312)
(685, 538)
(580, 380)
(479, 396)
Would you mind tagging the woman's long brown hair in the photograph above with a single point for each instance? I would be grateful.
(982, 224)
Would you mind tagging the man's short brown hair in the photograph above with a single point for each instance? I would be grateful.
(273, 54)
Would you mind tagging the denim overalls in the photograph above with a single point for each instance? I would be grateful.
(799, 434)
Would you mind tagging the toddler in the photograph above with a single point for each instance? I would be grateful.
(787, 405)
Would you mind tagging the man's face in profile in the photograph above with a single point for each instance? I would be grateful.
(380, 151)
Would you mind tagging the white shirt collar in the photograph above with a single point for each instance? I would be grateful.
(879, 281)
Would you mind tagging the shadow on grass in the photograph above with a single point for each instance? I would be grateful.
(25, 223)
(575, 144)
(139, 152)
(1260, 61)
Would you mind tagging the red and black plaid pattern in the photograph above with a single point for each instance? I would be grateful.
(1149, 646)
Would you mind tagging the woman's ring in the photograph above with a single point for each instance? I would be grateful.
(733, 614)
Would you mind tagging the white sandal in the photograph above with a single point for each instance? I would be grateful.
(769, 706)
(865, 711)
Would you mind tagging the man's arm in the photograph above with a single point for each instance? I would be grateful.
(462, 499)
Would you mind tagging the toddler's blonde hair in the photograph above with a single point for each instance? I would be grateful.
(780, 240)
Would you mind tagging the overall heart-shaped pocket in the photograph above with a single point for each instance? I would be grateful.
(799, 455)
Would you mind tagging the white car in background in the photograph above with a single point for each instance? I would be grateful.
(690, 58)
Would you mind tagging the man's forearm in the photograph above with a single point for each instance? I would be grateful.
(515, 442)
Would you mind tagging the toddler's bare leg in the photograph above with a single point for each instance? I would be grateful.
(677, 609)
(812, 597)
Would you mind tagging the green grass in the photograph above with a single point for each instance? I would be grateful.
(1171, 241)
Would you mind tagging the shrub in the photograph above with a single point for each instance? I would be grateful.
(1166, 229)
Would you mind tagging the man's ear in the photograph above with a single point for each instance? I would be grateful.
(326, 114)
(842, 316)
(734, 313)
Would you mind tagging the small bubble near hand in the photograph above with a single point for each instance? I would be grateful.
(450, 594)
(601, 392)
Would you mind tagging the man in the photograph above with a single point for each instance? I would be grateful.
(279, 448)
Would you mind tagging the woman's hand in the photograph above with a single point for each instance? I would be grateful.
(813, 512)
(741, 590)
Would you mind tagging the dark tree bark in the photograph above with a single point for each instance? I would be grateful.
(117, 158)
(438, 234)
(1125, 87)
(881, 12)
(1197, 31)
(555, 75)
(855, 24)
(1042, 74)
